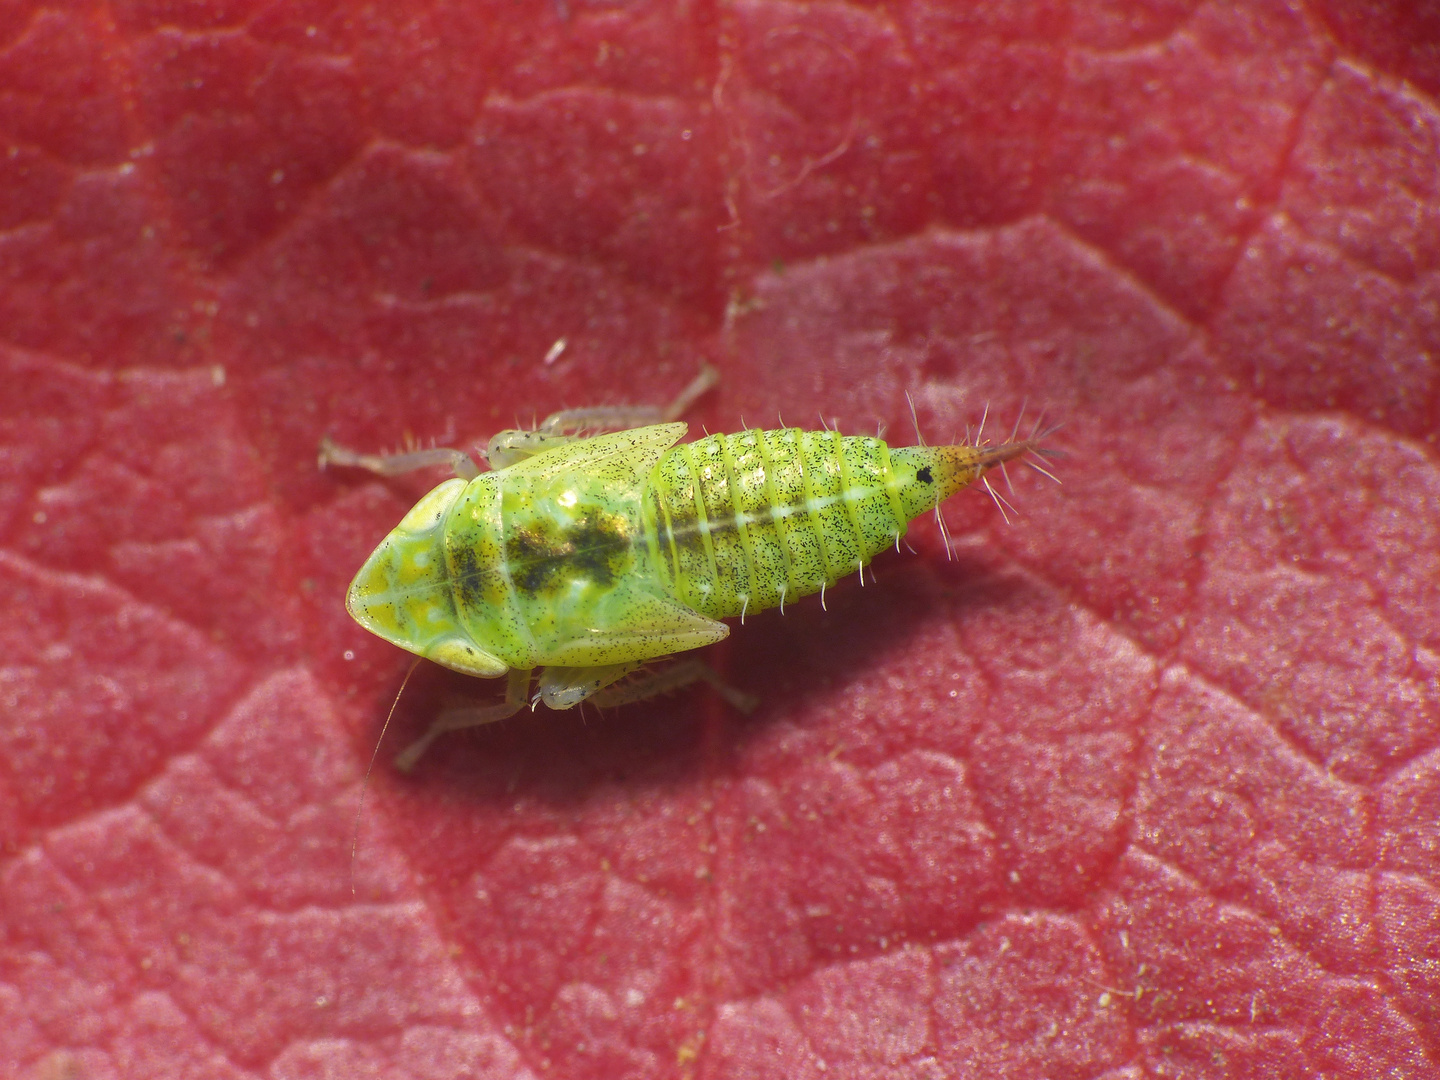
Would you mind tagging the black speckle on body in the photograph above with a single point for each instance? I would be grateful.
(925, 476)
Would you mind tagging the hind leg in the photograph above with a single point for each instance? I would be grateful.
(508, 447)
(670, 678)
(620, 417)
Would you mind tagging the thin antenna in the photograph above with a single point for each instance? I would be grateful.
(365, 783)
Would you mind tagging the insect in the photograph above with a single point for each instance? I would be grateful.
(587, 555)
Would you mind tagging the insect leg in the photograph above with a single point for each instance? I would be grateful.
(508, 447)
(332, 453)
(566, 687)
(517, 687)
(620, 417)
(671, 678)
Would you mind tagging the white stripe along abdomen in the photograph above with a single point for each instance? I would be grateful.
(744, 522)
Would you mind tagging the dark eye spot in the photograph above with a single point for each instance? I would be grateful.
(924, 475)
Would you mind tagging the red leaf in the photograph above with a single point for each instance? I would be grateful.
(1145, 783)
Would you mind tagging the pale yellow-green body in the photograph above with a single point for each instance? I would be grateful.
(606, 551)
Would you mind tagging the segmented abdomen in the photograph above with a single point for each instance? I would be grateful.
(744, 522)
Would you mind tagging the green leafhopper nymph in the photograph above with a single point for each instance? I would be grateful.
(587, 555)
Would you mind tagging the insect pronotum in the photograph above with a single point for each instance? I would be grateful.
(585, 556)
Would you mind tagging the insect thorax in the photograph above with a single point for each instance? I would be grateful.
(536, 562)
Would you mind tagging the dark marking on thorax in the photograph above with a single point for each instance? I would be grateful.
(546, 556)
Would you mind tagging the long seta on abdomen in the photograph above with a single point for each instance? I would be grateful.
(740, 523)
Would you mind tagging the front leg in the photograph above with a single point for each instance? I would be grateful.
(332, 453)
(517, 692)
